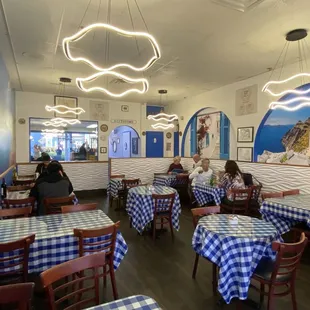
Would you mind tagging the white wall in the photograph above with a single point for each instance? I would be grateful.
(223, 99)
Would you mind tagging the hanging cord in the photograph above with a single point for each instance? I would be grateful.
(284, 59)
(80, 24)
(140, 12)
(97, 18)
(107, 39)
(301, 68)
(303, 47)
(133, 27)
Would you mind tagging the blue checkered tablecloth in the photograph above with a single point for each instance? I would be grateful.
(138, 302)
(167, 180)
(235, 248)
(140, 205)
(114, 186)
(285, 212)
(205, 193)
(54, 240)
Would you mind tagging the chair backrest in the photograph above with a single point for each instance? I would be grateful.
(248, 179)
(291, 192)
(272, 195)
(205, 211)
(163, 173)
(182, 176)
(117, 176)
(288, 257)
(79, 208)
(73, 291)
(16, 257)
(20, 202)
(256, 189)
(53, 205)
(241, 199)
(24, 182)
(17, 294)
(18, 188)
(129, 183)
(105, 239)
(15, 212)
(163, 203)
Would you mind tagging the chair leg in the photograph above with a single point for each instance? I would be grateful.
(154, 229)
(262, 295)
(195, 266)
(113, 281)
(270, 299)
(110, 201)
(171, 229)
(161, 223)
(104, 276)
(293, 296)
(214, 279)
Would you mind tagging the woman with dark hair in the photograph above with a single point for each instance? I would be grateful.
(232, 179)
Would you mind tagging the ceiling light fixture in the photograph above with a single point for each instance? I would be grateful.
(109, 69)
(52, 131)
(297, 35)
(144, 82)
(92, 126)
(63, 109)
(80, 34)
(162, 126)
(58, 122)
(163, 117)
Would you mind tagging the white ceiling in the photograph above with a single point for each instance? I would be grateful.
(204, 45)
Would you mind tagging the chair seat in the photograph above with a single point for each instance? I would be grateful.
(265, 268)
(163, 213)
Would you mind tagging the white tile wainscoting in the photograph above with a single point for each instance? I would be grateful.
(83, 175)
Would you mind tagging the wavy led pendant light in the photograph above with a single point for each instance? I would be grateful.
(61, 122)
(63, 109)
(297, 35)
(109, 69)
(52, 131)
(162, 126)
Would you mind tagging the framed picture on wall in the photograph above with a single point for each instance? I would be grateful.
(245, 134)
(245, 154)
(70, 102)
(135, 146)
(103, 150)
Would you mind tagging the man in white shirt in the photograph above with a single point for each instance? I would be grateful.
(197, 161)
(202, 174)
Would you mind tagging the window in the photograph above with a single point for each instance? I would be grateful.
(69, 143)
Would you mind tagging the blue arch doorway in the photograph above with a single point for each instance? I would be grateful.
(208, 133)
(124, 142)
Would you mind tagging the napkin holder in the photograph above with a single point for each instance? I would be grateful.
(233, 220)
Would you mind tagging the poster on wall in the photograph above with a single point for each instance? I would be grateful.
(284, 136)
(246, 100)
(99, 110)
(135, 146)
(208, 135)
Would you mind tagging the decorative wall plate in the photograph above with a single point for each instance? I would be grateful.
(168, 135)
(104, 128)
(22, 121)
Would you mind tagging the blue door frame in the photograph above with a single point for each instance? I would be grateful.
(176, 140)
(154, 144)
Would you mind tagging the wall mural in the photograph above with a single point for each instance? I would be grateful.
(284, 136)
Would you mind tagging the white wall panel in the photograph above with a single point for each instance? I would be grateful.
(86, 176)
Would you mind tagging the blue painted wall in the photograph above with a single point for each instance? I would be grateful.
(154, 144)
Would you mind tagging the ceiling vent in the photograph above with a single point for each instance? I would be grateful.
(239, 5)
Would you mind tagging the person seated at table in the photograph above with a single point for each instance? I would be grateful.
(53, 184)
(232, 179)
(202, 174)
(197, 161)
(42, 167)
(176, 166)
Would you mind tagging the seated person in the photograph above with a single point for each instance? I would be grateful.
(202, 174)
(52, 184)
(176, 166)
(196, 161)
(232, 179)
(42, 168)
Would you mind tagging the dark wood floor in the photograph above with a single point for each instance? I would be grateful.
(163, 270)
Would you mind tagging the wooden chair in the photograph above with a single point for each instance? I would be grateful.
(24, 182)
(254, 204)
(17, 257)
(117, 176)
(18, 188)
(281, 273)
(272, 195)
(163, 205)
(127, 184)
(53, 205)
(182, 185)
(26, 202)
(198, 213)
(19, 295)
(15, 212)
(79, 208)
(240, 202)
(74, 268)
(107, 244)
(291, 192)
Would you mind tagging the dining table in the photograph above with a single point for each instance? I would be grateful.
(168, 180)
(140, 205)
(205, 193)
(285, 212)
(54, 240)
(235, 245)
(114, 186)
(137, 302)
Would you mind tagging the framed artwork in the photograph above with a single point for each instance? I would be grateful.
(103, 150)
(104, 128)
(70, 102)
(135, 146)
(125, 108)
(168, 135)
(245, 154)
(245, 134)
